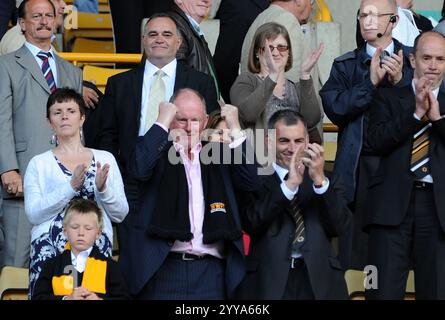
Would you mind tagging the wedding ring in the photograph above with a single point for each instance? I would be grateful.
(9, 189)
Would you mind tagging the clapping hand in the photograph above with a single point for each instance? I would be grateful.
(377, 73)
(393, 65)
(296, 172)
(78, 177)
(423, 88)
(314, 161)
(101, 176)
(310, 62)
(273, 68)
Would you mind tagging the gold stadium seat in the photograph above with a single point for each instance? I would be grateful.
(89, 25)
(93, 46)
(104, 7)
(99, 75)
(14, 283)
(355, 278)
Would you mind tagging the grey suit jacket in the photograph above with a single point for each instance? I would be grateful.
(24, 130)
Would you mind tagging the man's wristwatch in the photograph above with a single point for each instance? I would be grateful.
(323, 183)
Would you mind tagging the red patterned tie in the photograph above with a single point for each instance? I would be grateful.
(47, 73)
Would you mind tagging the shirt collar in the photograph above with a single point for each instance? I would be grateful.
(80, 261)
(35, 50)
(280, 171)
(195, 24)
(370, 50)
(169, 69)
(195, 150)
(435, 91)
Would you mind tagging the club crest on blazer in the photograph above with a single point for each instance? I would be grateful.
(217, 207)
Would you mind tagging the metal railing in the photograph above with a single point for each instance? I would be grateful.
(80, 57)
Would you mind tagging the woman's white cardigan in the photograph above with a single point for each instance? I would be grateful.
(47, 191)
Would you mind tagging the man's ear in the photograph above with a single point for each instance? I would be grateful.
(412, 60)
(22, 24)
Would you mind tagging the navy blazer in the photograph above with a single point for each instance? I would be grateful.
(391, 131)
(148, 252)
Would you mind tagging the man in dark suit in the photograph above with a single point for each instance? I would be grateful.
(127, 17)
(406, 218)
(187, 241)
(347, 94)
(127, 110)
(291, 220)
(235, 18)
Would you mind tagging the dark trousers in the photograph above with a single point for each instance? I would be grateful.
(187, 280)
(418, 242)
(127, 17)
(298, 285)
(353, 244)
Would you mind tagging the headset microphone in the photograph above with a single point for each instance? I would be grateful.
(392, 19)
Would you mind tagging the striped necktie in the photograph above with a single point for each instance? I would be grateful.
(157, 95)
(299, 221)
(295, 207)
(46, 70)
(419, 164)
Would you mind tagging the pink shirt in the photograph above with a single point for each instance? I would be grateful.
(197, 203)
(196, 207)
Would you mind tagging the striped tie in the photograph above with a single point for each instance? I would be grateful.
(299, 221)
(47, 73)
(420, 151)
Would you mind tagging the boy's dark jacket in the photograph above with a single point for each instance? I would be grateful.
(115, 287)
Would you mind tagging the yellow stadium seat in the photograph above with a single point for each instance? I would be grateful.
(322, 14)
(330, 149)
(93, 46)
(99, 75)
(89, 25)
(355, 282)
(14, 283)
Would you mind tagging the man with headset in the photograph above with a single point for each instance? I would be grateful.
(354, 80)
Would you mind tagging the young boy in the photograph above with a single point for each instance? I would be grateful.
(81, 272)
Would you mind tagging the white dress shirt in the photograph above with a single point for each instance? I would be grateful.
(52, 63)
(80, 262)
(370, 50)
(149, 76)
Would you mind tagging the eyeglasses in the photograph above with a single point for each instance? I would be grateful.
(373, 15)
(280, 48)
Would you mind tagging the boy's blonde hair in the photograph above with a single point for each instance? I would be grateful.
(83, 206)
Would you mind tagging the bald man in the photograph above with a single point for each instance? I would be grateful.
(187, 243)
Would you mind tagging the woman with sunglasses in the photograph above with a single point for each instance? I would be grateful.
(265, 89)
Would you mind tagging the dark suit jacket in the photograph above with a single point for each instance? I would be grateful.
(148, 253)
(235, 18)
(391, 131)
(121, 108)
(270, 223)
(55, 267)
